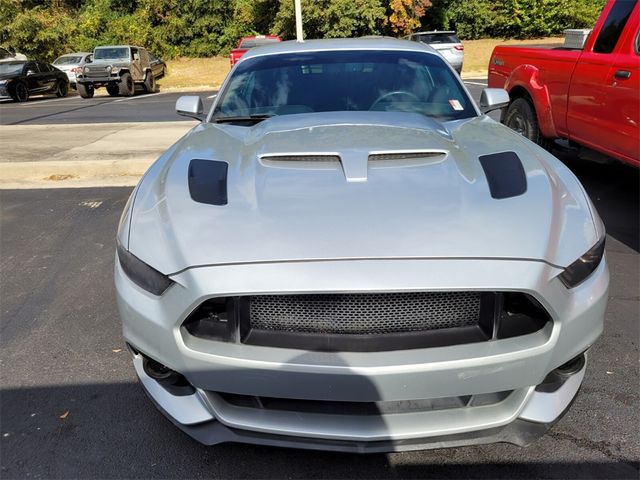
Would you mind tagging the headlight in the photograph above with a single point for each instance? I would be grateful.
(579, 271)
(109, 69)
(85, 69)
(3, 82)
(142, 274)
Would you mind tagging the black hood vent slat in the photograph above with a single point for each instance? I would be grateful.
(505, 174)
(208, 181)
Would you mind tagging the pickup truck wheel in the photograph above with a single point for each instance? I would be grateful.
(113, 89)
(127, 87)
(149, 83)
(521, 117)
(63, 89)
(86, 90)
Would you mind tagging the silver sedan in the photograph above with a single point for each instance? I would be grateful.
(349, 254)
(72, 63)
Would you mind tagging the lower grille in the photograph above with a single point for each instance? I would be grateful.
(366, 313)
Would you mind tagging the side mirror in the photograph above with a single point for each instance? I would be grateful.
(190, 106)
(493, 99)
(30, 72)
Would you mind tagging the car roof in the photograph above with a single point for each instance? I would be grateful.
(339, 44)
(120, 46)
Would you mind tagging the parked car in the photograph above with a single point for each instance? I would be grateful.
(246, 43)
(119, 68)
(72, 64)
(7, 55)
(588, 95)
(446, 44)
(158, 66)
(19, 79)
(349, 254)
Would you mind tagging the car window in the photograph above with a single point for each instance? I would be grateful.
(111, 53)
(10, 67)
(613, 26)
(256, 42)
(413, 82)
(89, 59)
(31, 66)
(44, 67)
(438, 38)
(67, 60)
(5, 53)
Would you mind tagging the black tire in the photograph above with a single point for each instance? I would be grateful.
(86, 90)
(20, 92)
(113, 89)
(63, 89)
(149, 83)
(127, 88)
(521, 117)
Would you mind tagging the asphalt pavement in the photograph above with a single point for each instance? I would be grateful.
(70, 405)
(47, 110)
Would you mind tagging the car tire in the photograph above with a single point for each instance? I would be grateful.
(127, 88)
(86, 90)
(63, 89)
(521, 117)
(20, 92)
(113, 89)
(149, 83)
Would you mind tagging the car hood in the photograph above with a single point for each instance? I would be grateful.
(285, 209)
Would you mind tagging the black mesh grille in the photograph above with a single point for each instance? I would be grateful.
(366, 313)
(404, 156)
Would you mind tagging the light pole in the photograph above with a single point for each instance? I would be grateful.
(299, 35)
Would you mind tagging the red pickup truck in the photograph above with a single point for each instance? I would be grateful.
(245, 43)
(590, 97)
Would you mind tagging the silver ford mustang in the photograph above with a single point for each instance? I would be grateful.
(348, 254)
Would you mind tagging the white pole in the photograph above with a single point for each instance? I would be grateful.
(298, 8)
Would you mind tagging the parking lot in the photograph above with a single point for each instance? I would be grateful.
(71, 406)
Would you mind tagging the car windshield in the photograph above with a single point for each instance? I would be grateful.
(10, 67)
(110, 53)
(256, 42)
(72, 60)
(365, 80)
(438, 38)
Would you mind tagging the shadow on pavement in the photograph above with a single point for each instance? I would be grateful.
(113, 431)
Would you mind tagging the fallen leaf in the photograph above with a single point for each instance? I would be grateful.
(64, 415)
(609, 373)
(116, 350)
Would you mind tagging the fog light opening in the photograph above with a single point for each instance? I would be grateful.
(172, 381)
(572, 366)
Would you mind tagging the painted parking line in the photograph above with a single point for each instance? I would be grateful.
(147, 95)
(476, 83)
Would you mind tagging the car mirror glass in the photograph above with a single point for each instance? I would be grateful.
(190, 106)
(493, 99)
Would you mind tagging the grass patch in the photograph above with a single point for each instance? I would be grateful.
(209, 73)
(478, 52)
(195, 73)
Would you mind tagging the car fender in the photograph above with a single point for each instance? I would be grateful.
(527, 77)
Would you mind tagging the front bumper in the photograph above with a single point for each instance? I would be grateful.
(152, 325)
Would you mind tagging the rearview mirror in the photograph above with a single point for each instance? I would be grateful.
(493, 99)
(190, 106)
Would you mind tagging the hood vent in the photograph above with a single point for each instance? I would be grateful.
(395, 156)
(270, 159)
(208, 181)
(505, 174)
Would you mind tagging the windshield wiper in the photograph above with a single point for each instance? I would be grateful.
(244, 118)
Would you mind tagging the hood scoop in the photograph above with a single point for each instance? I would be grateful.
(355, 163)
